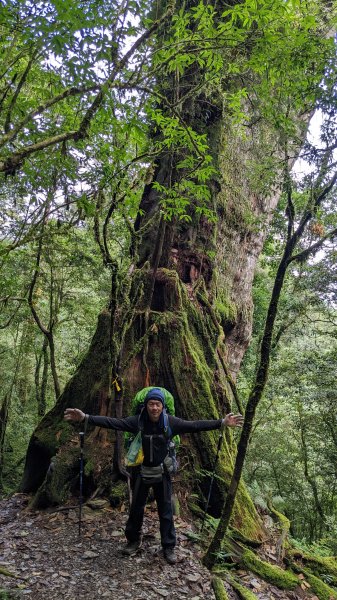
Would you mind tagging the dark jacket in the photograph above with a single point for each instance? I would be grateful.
(153, 435)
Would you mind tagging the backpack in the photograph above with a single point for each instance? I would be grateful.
(135, 455)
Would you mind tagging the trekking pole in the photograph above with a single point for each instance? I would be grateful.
(220, 440)
(81, 481)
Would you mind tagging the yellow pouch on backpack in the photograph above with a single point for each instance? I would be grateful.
(135, 455)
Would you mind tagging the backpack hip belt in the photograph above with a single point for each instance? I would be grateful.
(151, 475)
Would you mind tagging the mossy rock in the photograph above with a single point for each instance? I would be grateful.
(285, 580)
(219, 589)
(56, 487)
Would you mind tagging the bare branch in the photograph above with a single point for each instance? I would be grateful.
(301, 256)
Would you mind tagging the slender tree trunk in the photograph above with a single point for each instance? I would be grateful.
(57, 387)
(254, 398)
(41, 386)
(3, 424)
(292, 239)
(5, 406)
(311, 481)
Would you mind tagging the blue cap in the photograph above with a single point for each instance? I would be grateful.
(155, 394)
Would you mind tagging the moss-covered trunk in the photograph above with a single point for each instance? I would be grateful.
(176, 344)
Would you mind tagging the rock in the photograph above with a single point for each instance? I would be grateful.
(97, 504)
(90, 554)
(193, 577)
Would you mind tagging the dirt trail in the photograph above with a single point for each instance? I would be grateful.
(51, 562)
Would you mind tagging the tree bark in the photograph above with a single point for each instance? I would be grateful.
(41, 386)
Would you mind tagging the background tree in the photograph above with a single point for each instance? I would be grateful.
(299, 472)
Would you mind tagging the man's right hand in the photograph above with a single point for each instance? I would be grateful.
(74, 414)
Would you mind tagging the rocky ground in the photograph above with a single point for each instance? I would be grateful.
(43, 557)
(50, 561)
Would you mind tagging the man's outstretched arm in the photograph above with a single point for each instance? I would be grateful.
(182, 426)
(128, 424)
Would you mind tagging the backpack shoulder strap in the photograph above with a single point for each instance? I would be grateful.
(141, 420)
(167, 427)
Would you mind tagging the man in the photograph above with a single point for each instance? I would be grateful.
(157, 428)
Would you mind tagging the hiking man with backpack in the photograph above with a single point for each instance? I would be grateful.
(157, 430)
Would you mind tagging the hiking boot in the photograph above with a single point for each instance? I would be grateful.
(170, 556)
(131, 548)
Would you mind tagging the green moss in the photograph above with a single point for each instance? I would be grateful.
(55, 489)
(89, 467)
(319, 565)
(281, 518)
(54, 435)
(219, 589)
(245, 517)
(118, 494)
(238, 536)
(9, 595)
(285, 580)
(242, 592)
(225, 308)
(321, 589)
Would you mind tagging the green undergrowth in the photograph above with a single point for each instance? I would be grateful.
(285, 580)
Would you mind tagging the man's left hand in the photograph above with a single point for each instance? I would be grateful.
(232, 420)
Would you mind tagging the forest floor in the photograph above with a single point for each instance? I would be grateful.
(49, 561)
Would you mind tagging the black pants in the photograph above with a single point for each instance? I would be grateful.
(162, 493)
